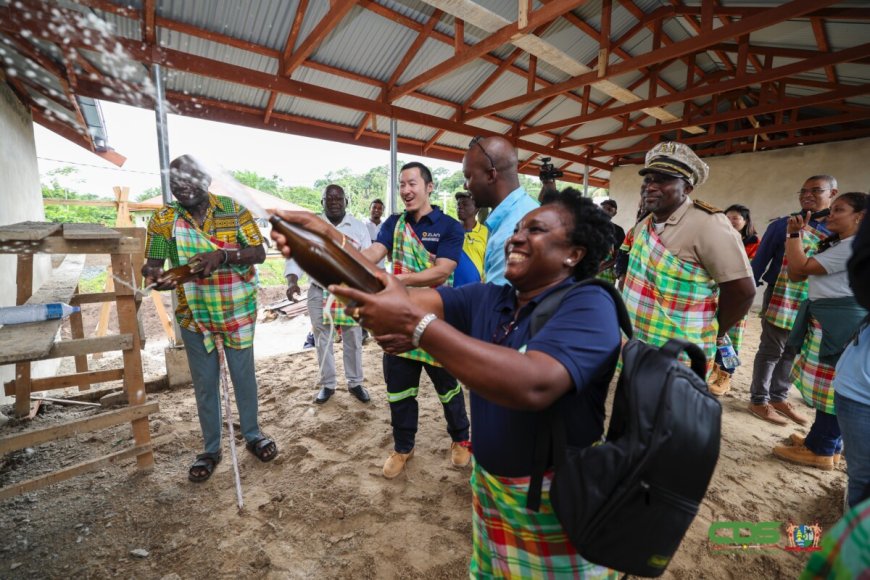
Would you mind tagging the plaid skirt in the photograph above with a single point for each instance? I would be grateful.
(813, 378)
(510, 541)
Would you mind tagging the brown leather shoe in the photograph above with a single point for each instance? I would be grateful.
(803, 456)
(460, 453)
(766, 413)
(798, 441)
(395, 463)
(789, 411)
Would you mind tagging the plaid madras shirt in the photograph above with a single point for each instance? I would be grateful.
(669, 298)
(226, 225)
(787, 296)
(409, 256)
(813, 378)
(510, 541)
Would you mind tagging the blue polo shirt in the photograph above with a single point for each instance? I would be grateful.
(501, 223)
(583, 335)
(768, 259)
(441, 235)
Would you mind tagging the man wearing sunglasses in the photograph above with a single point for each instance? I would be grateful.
(490, 170)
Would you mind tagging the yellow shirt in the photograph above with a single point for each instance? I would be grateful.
(475, 245)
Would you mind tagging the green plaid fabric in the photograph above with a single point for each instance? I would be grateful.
(787, 296)
(510, 541)
(669, 298)
(735, 333)
(845, 553)
(333, 312)
(813, 378)
(225, 303)
(410, 256)
(608, 274)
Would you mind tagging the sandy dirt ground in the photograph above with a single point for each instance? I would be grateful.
(322, 509)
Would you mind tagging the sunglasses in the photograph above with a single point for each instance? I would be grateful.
(477, 141)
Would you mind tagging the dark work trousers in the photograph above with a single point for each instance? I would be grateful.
(772, 368)
(402, 376)
(825, 437)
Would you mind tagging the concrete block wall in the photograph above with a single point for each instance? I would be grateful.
(766, 181)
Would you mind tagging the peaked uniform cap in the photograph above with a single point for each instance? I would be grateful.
(677, 160)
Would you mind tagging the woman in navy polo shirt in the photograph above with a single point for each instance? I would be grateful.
(480, 333)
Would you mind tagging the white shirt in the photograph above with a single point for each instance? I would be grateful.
(835, 284)
(355, 230)
(374, 228)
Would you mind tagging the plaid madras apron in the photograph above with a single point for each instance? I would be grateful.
(786, 298)
(735, 333)
(509, 541)
(224, 303)
(333, 311)
(410, 256)
(608, 274)
(813, 378)
(669, 298)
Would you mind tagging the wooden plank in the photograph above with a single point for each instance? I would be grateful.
(77, 329)
(86, 425)
(134, 380)
(72, 471)
(59, 245)
(27, 231)
(85, 346)
(71, 402)
(33, 341)
(64, 381)
(88, 232)
(24, 291)
(92, 298)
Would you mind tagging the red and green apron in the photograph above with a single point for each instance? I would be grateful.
(409, 257)
(787, 296)
(813, 378)
(669, 298)
(510, 541)
(225, 303)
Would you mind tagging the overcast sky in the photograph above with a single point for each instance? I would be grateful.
(132, 132)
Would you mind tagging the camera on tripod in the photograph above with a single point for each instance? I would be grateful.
(548, 172)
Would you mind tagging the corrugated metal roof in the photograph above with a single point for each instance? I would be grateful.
(366, 47)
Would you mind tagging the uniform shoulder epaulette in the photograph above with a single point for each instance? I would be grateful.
(706, 206)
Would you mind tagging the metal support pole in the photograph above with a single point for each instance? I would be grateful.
(586, 181)
(163, 154)
(394, 175)
(162, 137)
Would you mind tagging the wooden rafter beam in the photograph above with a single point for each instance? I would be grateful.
(823, 44)
(149, 24)
(326, 25)
(781, 126)
(747, 25)
(820, 61)
(511, 32)
(220, 70)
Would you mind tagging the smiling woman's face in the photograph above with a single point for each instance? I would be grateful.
(189, 184)
(537, 253)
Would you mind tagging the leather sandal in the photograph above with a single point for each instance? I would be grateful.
(263, 448)
(203, 467)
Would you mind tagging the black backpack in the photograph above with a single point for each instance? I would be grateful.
(627, 503)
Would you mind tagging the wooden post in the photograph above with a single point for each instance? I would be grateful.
(22, 369)
(105, 310)
(134, 383)
(78, 331)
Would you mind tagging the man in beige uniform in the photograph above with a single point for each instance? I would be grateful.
(688, 276)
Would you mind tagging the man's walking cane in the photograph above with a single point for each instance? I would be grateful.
(225, 387)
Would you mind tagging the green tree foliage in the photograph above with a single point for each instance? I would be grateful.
(149, 193)
(74, 213)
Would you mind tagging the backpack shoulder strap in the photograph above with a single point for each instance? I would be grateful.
(548, 306)
(551, 429)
